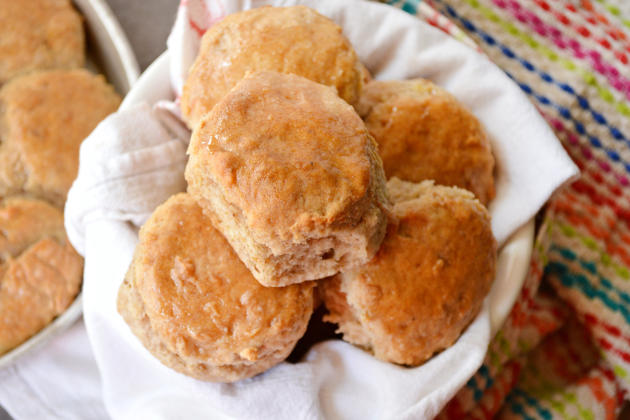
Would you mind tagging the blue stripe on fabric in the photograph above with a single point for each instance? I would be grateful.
(546, 77)
(485, 372)
(516, 407)
(472, 384)
(533, 402)
(591, 267)
(411, 6)
(475, 388)
(579, 127)
(580, 282)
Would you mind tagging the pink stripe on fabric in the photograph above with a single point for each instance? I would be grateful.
(593, 57)
(573, 139)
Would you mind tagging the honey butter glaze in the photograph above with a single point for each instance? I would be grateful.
(289, 174)
(297, 151)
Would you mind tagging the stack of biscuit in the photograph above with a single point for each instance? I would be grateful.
(288, 206)
(48, 105)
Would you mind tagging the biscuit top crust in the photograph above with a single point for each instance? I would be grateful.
(201, 299)
(44, 117)
(288, 153)
(423, 132)
(295, 40)
(39, 34)
(24, 221)
(40, 272)
(430, 276)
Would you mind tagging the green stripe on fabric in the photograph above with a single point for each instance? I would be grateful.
(588, 77)
(620, 371)
(494, 359)
(590, 243)
(544, 386)
(504, 344)
(556, 398)
(523, 347)
(494, 354)
(614, 10)
(586, 413)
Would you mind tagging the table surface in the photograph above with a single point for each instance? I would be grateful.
(147, 24)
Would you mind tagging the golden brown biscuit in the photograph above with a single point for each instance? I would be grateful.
(40, 272)
(423, 132)
(44, 117)
(291, 178)
(37, 35)
(196, 307)
(295, 40)
(426, 283)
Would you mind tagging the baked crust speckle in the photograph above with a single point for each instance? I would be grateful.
(197, 308)
(291, 177)
(44, 117)
(426, 283)
(424, 133)
(40, 272)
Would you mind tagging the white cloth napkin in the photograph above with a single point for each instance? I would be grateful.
(132, 162)
(58, 382)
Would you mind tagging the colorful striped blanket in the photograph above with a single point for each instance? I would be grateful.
(564, 351)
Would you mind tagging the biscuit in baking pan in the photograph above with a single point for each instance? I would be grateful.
(44, 117)
(40, 272)
(291, 177)
(196, 307)
(38, 35)
(426, 283)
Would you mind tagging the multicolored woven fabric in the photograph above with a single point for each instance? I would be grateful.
(564, 351)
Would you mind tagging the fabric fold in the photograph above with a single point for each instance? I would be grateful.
(131, 164)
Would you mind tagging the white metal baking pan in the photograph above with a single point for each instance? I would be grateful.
(108, 52)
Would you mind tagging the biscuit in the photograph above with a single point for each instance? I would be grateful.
(40, 272)
(196, 307)
(38, 35)
(291, 177)
(44, 117)
(423, 132)
(426, 283)
(295, 40)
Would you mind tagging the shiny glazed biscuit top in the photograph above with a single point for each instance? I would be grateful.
(287, 152)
